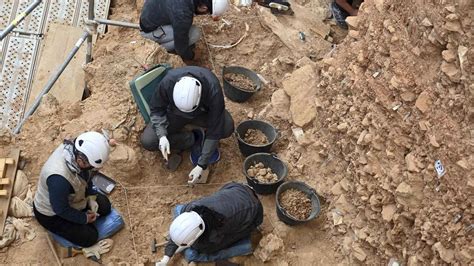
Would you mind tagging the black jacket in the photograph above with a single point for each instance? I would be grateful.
(211, 104)
(177, 13)
(241, 213)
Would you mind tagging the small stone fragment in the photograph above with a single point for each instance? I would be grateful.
(423, 102)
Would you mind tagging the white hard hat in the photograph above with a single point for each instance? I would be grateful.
(95, 146)
(186, 229)
(187, 94)
(219, 7)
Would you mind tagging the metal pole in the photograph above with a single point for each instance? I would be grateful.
(19, 19)
(117, 23)
(52, 80)
(90, 17)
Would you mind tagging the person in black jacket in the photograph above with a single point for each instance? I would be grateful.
(188, 96)
(169, 22)
(216, 222)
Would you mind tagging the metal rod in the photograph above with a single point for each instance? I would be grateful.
(90, 17)
(117, 23)
(19, 19)
(52, 80)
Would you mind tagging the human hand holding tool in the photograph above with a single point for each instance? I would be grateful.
(195, 174)
(164, 147)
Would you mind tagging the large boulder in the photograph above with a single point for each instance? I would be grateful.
(301, 87)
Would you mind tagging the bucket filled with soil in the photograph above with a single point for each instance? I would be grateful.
(240, 83)
(297, 203)
(255, 136)
(264, 172)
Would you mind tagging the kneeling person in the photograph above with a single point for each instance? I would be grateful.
(65, 202)
(216, 222)
(188, 96)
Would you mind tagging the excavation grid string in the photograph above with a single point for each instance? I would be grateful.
(125, 189)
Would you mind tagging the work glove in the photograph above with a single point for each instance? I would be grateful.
(195, 174)
(93, 205)
(163, 261)
(99, 248)
(164, 147)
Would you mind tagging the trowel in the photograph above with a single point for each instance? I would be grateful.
(277, 7)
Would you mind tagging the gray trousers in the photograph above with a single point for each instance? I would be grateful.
(179, 139)
(164, 36)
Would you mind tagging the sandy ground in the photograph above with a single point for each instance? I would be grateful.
(392, 98)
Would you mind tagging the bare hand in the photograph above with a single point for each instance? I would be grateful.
(91, 216)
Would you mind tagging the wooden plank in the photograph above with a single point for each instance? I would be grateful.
(9, 161)
(58, 42)
(2, 167)
(288, 29)
(3, 192)
(10, 174)
(4, 181)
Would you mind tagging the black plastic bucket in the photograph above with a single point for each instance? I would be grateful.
(236, 94)
(285, 217)
(249, 149)
(271, 161)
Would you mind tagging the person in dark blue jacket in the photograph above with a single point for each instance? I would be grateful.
(188, 96)
(170, 22)
(215, 222)
(66, 203)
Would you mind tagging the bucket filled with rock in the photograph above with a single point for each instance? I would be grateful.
(264, 172)
(240, 83)
(297, 203)
(255, 136)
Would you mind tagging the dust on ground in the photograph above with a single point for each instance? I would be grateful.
(363, 126)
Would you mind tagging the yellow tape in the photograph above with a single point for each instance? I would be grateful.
(17, 19)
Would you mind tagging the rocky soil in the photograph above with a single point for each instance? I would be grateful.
(240, 81)
(255, 137)
(362, 123)
(296, 203)
(262, 173)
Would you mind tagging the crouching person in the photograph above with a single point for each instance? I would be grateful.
(216, 227)
(66, 203)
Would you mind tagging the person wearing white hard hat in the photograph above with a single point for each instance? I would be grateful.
(66, 203)
(188, 96)
(214, 223)
(170, 23)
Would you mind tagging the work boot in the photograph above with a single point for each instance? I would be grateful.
(199, 136)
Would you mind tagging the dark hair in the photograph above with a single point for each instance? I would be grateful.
(207, 3)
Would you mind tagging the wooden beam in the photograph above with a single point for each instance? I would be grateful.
(9, 161)
(4, 181)
(5, 193)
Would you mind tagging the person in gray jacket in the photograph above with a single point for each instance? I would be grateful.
(170, 22)
(188, 96)
(215, 222)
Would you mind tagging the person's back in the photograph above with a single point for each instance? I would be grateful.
(241, 210)
(156, 13)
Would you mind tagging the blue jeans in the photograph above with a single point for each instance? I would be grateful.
(242, 247)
